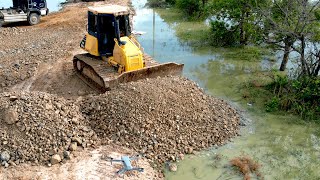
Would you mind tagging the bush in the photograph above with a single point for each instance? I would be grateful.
(223, 36)
(156, 3)
(172, 2)
(301, 96)
(273, 104)
(190, 7)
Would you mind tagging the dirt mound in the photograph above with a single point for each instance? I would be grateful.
(35, 126)
(162, 118)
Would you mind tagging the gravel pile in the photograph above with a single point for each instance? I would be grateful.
(163, 118)
(37, 127)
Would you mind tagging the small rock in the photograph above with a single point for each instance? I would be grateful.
(55, 159)
(189, 150)
(81, 93)
(73, 146)
(49, 106)
(75, 120)
(11, 116)
(181, 156)
(77, 139)
(13, 98)
(66, 155)
(12, 163)
(6, 165)
(5, 156)
(173, 158)
(51, 152)
(173, 167)
(86, 129)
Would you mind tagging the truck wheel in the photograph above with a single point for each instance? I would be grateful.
(1, 23)
(33, 19)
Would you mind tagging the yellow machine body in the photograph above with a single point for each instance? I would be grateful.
(129, 56)
(91, 45)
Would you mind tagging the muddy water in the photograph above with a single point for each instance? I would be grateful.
(53, 5)
(285, 147)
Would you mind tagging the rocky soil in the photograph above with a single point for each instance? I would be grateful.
(162, 118)
(36, 126)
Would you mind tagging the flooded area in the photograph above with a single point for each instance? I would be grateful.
(285, 147)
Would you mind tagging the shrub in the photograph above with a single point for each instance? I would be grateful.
(171, 1)
(301, 96)
(223, 36)
(189, 7)
(156, 3)
(273, 104)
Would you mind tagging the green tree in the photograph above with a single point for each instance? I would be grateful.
(189, 7)
(292, 25)
(240, 15)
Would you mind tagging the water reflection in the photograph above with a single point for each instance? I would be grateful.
(160, 42)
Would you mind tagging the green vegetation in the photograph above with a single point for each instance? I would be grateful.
(160, 3)
(192, 8)
(221, 36)
(300, 96)
(239, 18)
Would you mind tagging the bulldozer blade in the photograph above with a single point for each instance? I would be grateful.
(160, 70)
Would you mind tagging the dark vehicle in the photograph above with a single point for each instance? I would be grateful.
(24, 10)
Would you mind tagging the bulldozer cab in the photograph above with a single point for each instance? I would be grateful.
(107, 24)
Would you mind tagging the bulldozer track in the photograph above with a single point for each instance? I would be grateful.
(101, 76)
(92, 71)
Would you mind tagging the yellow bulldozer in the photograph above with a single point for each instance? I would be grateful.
(113, 54)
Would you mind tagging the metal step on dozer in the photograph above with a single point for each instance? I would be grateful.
(114, 55)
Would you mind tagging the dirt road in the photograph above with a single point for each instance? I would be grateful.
(39, 58)
(88, 164)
